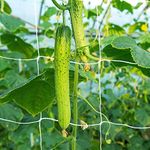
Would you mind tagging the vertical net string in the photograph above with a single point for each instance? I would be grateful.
(99, 85)
(37, 64)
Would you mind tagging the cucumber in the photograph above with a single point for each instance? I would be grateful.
(61, 61)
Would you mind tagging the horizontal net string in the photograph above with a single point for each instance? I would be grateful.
(73, 62)
(78, 125)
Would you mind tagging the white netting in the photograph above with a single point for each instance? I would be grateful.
(98, 63)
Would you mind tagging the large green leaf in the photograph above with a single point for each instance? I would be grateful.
(140, 56)
(125, 48)
(117, 54)
(11, 23)
(35, 95)
(123, 42)
(15, 43)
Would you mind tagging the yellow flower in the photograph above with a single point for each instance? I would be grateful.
(144, 27)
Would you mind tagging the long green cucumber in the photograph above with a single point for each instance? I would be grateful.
(62, 56)
(76, 11)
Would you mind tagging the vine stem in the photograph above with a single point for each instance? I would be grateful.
(141, 13)
(76, 10)
(61, 7)
(75, 104)
(78, 32)
(105, 14)
(64, 19)
(95, 19)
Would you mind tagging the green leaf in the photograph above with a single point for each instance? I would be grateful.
(26, 133)
(49, 33)
(13, 79)
(4, 64)
(7, 8)
(34, 96)
(46, 51)
(123, 42)
(136, 142)
(15, 43)
(112, 146)
(108, 40)
(145, 38)
(113, 131)
(94, 12)
(146, 86)
(122, 5)
(113, 29)
(118, 54)
(54, 143)
(45, 25)
(8, 111)
(83, 141)
(138, 5)
(140, 56)
(142, 117)
(145, 71)
(48, 13)
(11, 23)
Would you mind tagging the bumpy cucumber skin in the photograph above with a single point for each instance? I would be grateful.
(62, 57)
(76, 10)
